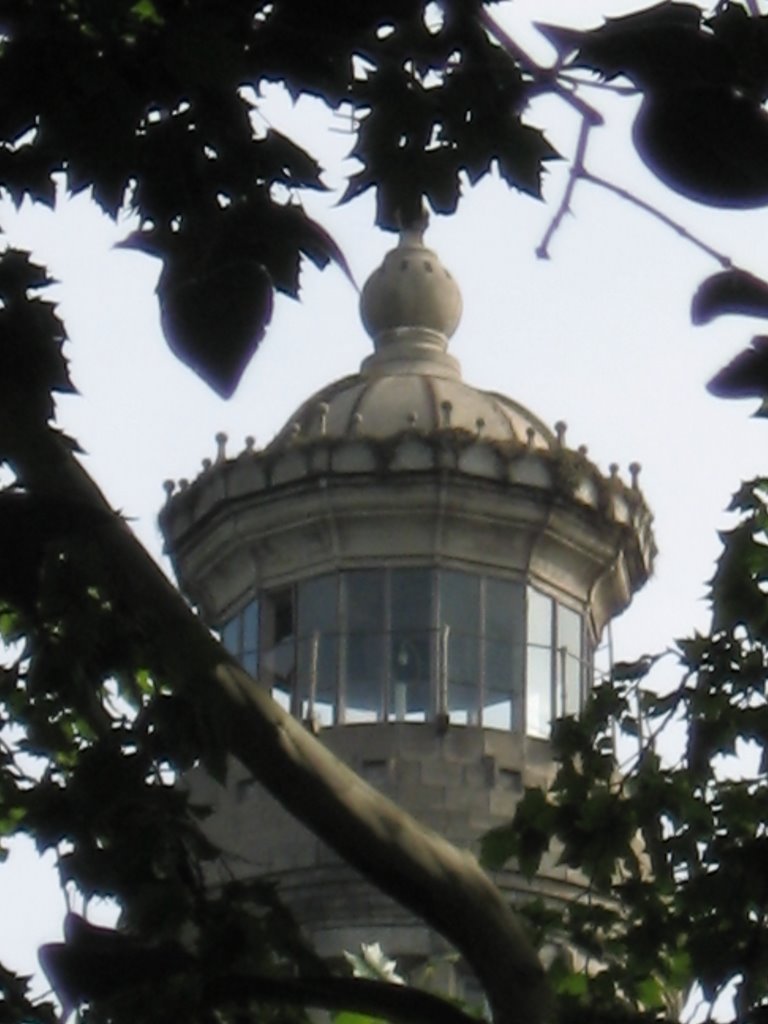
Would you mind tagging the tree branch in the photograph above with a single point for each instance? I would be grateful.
(550, 80)
(576, 171)
(548, 77)
(579, 172)
(721, 258)
(398, 1003)
(415, 866)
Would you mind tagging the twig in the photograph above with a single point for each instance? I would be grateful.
(589, 83)
(548, 76)
(622, 193)
(647, 745)
(576, 172)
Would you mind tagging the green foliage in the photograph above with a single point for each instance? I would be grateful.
(154, 107)
(89, 770)
(673, 855)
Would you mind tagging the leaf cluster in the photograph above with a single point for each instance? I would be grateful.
(672, 855)
(91, 744)
(156, 107)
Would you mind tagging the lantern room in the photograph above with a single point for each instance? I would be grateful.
(421, 572)
(410, 548)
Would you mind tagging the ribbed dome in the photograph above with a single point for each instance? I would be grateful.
(410, 305)
(382, 405)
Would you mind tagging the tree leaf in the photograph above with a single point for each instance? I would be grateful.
(730, 291)
(746, 376)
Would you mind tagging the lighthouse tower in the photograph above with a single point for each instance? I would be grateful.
(421, 572)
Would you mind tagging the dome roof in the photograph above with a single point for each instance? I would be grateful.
(410, 306)
(378, 406)
(404, 462)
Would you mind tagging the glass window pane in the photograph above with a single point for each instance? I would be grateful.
(570, 660)
(503, 650)
(412, 643)
(250, 638)
(365, 645)
(277, 658)
(251, 626)
(459, 638)
(317, 649)
(230, 636)
(538, 689)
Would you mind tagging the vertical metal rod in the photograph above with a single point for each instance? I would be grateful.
(476, 718)
(563, 709)
(443, 671)
(314, 648)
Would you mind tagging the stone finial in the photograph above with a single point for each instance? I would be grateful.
(446, 408)
(530, 438)
(221, 446)
(169, 486)
(322, 412)
(634, 473)
(250, 444)
(410, 289)
(560, 429)
(206, 465)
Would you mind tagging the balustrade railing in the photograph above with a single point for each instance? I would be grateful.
(420, 674)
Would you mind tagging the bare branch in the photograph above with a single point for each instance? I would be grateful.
(552, 80)
(630, 197)
(548, 78)
(576, 172)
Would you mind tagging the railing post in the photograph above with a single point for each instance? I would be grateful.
(442, 689)
(563, 667)
(314, 647)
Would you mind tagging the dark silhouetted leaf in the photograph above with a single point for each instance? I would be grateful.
(730, 291)
(660, 43)
(701, 128)
(215, 322)
(746, 376)
(709, 144)
(629, 671)
(97, 962)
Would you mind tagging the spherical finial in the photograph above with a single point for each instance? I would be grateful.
(410, 289)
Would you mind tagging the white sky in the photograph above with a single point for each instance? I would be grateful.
(598, 336)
